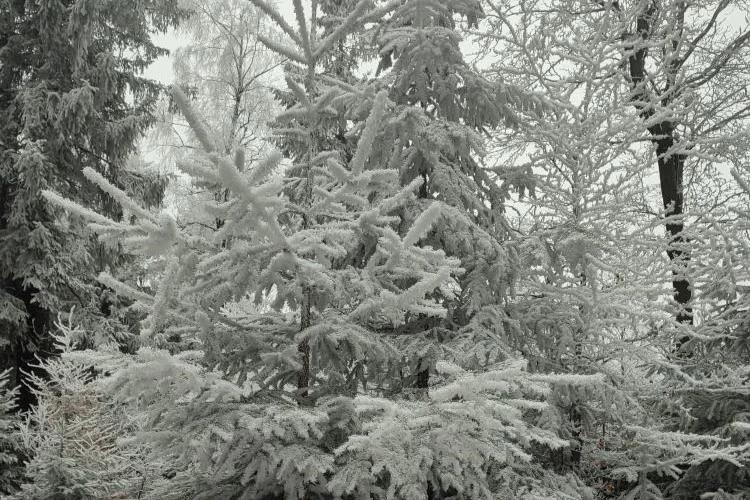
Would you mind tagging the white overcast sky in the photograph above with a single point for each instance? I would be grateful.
(161, 69)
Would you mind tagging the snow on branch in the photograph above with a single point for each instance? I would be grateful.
(740, 181)
(283, 50)
(75, 208)
(364, 147)
(122, 289)
(192, 118)
(118, 194)
(262, 170)
(299, 12)
(276, 16)
(423, 224)
(344, 28)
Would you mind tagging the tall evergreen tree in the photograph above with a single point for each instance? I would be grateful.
(443, 111)
(313, 397)
(71, 98)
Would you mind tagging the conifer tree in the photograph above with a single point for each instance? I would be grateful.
(443, 110)
(73, 436)
(71, 98)
(311, 398)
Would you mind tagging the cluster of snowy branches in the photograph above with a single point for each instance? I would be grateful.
(443, 280)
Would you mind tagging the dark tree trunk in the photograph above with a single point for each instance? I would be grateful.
(671, 163)
(576, 444)
(423, 377)
(671, 169)
(303, 376)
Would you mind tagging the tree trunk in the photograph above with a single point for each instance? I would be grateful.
(671, 164)
(303, 376)
(423, 376)
(671, 168)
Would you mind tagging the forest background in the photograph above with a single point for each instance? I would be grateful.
(404, 249)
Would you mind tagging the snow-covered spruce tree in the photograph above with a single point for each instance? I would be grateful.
(308, 399)
(71, 434)
(71, 97)
(10, 439)
(444, 107)
(343, 60)
(340, 61)
(440, 104)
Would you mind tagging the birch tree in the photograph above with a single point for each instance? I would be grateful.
(588, 173)
(678, 66)
(222, 65)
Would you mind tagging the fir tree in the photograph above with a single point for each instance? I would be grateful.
(71, 98)
(443, 110)
(309, 398)
(72, 435)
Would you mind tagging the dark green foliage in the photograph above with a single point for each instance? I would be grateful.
(70, 98)
(10, 453)
(712, 398)
(715, 405)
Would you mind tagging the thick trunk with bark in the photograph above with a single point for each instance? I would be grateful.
(671, 168)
